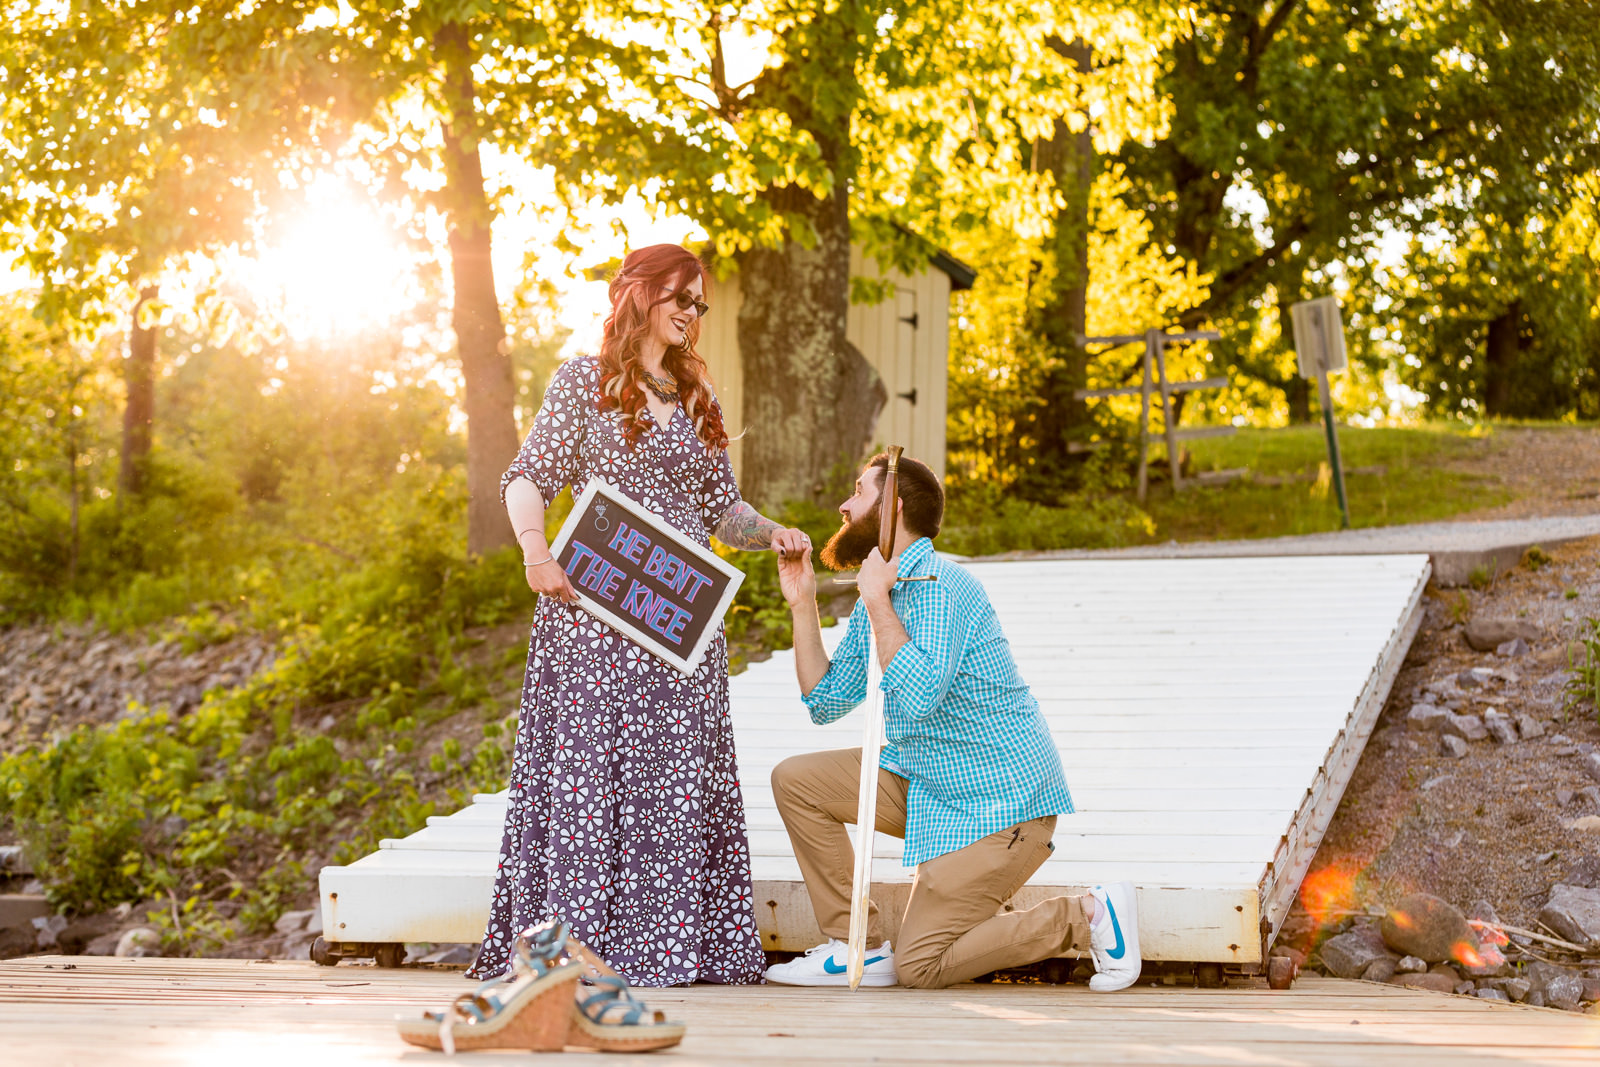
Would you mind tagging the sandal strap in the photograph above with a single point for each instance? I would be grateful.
(612, 996)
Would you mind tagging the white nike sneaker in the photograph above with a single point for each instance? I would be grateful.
(826, 965)
(1114, 938)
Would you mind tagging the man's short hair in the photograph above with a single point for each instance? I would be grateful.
(920, 492)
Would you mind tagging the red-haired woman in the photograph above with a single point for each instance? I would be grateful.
(624, 815)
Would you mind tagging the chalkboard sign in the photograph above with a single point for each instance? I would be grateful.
(644, 577)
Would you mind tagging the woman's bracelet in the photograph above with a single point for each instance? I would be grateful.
(532, 529)
(538, 562)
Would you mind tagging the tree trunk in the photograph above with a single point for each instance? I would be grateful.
(1062, 317)
(138, 415)
(490, 394)
(1501, 351)
(811, 399)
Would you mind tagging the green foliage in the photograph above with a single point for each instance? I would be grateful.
(983, 520)
(1582, 689)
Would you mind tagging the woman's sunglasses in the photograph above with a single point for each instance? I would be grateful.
(686, 300)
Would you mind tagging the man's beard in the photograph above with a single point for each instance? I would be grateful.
(852, 544)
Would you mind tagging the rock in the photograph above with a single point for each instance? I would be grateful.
(1584, 872)
(1492, 994)
(1591, 989)
(1529, 727)
(1486, 635)
(1573, 912)
(1467, 727)
(1469, 680)
(139, 942)
(104, 945)
(1464, 989)
(314, 924)
(1452, 746)
(1564, 797)
(1563, 991)
(1349, 955)
(1379, 970)
(1512, 648)
(452, 955)
(1591, 765)
(1516, 988)
(47, 927)
(1587, 824)
(1438, 983)
(1501, 730)
(1488, 962)
(1438, 779)
(1426, 718)
(1411, 965)
(14, 861)
(1535, 999)
(1445, 969)
(1425, 926)
(291, 922)
(1591, 793)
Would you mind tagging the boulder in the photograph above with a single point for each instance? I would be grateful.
(1501, 729)
(291, 922)
(1466, 727)
(1425, 926)
(1591, 989)
(1379, 970)
(1573, 912)
(138, 942)
(1426, 718)
(1492, 994)
(1563, 991)
(1486, 635)
(1437, 983)
(1349, 954)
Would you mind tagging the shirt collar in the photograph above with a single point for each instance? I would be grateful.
(915, 554)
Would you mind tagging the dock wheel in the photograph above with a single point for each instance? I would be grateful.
(324, 954)
(1209, 976)
(390, 954)
(1056, 971)
(1280, 972)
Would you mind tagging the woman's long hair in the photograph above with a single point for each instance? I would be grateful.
(637, 289)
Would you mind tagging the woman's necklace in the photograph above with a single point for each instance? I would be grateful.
(665, 389)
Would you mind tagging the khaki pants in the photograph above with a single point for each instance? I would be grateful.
(950, 931)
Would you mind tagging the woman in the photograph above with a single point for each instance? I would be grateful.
(624, 815)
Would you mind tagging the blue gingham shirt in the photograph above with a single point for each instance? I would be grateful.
(960, 723)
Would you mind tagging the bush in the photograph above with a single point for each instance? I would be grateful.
(981, 521)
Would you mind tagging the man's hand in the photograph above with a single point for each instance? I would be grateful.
(876, 577)
(795, 577)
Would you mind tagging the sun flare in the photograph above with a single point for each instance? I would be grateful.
(336, 268)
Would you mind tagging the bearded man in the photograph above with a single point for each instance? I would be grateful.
(970, 778)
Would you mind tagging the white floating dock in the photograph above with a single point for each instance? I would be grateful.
(1209, 713)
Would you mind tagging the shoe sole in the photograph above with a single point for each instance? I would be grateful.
(536, 1019)
(871, 980)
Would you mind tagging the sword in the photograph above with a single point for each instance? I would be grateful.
(871, 741)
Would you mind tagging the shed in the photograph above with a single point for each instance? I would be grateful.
(906, 339)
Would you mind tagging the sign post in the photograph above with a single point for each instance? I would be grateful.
(1319, 348)
(647, 579)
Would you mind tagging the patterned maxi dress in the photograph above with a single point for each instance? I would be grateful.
(624, 815)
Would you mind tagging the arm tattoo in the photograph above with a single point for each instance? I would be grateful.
(743, 527)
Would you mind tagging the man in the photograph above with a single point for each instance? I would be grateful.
(970, 778)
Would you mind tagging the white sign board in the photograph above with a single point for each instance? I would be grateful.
(1318, 336)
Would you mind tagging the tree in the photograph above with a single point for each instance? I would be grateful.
(122, 149)
(1339, 122)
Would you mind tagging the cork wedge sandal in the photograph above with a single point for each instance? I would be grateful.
(530, 1008)
(608, 1018)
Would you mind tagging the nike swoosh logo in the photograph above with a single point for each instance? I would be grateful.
(833, 968)
(1117, 951)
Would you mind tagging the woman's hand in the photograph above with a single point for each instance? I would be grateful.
(795, 576)
(787, 541)
(548, 579)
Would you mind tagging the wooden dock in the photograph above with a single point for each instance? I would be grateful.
(1208, 711)
(63, 1011)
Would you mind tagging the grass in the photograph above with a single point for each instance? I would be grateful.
(1416, 483)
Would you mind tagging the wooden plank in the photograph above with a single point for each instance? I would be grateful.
(156, 1011)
